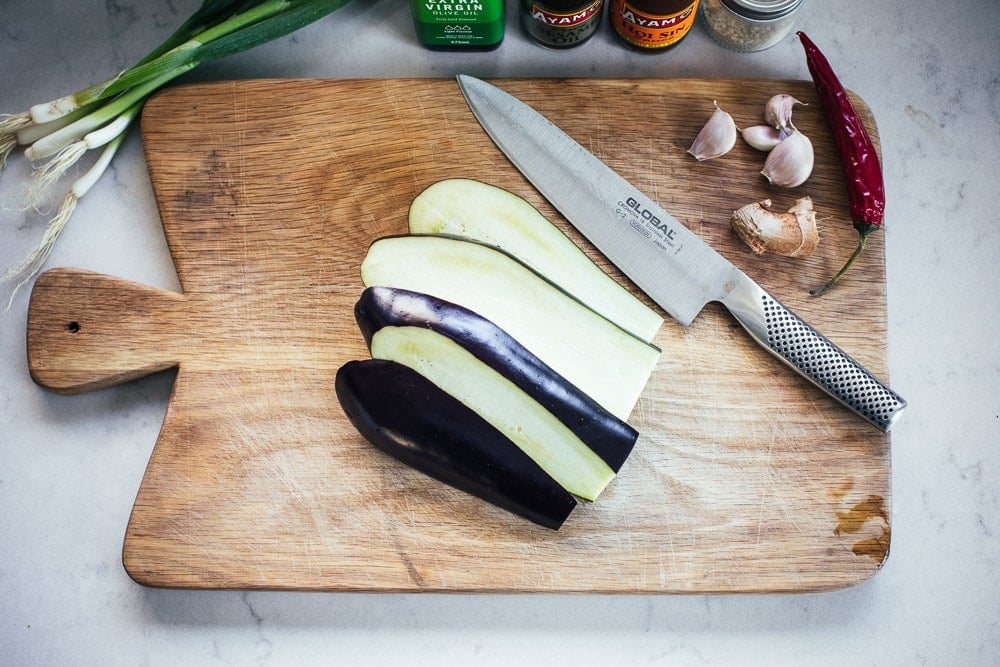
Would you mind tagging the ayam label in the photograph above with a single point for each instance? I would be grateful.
(650, 31)
(550, 18)
(647, 21)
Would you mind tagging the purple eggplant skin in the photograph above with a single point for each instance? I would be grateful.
(408, 417)
(608, 436)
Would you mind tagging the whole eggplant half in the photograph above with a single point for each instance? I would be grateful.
(608, 436)
(411, 419)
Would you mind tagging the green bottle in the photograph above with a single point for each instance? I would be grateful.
(459, 24)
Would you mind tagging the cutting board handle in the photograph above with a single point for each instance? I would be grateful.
(88, 331)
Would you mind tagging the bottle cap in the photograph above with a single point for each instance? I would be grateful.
(762, 10)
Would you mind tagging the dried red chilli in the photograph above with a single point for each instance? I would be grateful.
(865, 186)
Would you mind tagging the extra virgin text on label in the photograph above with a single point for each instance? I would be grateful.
(451, 8)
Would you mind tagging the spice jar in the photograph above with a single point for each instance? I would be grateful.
(749, 25)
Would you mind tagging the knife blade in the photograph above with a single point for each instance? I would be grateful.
(667, 261)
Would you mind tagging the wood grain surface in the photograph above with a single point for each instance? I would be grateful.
(745, 478)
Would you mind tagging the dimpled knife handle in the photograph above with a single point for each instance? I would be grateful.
(788, 337)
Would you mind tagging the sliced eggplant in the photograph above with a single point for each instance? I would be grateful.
(522, 419)
(474, 210)
(603, 360)
(406, 416)
(609, 437)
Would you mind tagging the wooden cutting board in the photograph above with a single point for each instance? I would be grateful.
(745, 478)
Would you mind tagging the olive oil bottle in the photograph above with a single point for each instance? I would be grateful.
(471, 25)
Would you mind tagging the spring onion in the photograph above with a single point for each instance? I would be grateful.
(65, 129)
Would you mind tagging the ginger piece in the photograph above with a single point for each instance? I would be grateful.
(791, 234)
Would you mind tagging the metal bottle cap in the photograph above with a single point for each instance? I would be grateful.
(762, 10)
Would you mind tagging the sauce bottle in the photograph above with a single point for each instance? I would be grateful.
(652, 25)
(468, 25)
(561, 24)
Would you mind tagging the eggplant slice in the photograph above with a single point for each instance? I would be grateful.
(480, 212)
(608, 436)
(411, 419)
(608, 363)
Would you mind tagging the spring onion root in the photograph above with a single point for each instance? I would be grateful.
(31, 264)
(66, 129)
(10, 126)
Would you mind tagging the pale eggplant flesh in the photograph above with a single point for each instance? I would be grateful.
(609, 364)
(536, 431)
(409, 418)
(477, 211)
(611, 438)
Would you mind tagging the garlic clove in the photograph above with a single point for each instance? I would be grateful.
(716, 138)
(792, 234)
(761, 137)
(778, 111)
(790, 163)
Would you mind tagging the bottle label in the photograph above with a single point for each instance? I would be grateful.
(564, 19)
(561, 28)
(651, 31)
(459, 22)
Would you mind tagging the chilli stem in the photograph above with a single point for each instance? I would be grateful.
(857, 253)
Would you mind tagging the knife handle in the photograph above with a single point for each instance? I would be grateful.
(784, 334)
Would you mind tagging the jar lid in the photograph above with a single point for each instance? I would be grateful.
(762, 10)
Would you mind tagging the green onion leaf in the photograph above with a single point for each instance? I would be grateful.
(99, 114)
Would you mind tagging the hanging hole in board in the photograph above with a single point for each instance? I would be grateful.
(73, 327)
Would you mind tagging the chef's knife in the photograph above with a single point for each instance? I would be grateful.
(671, 264)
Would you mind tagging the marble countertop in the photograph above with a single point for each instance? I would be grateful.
(70, 466)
